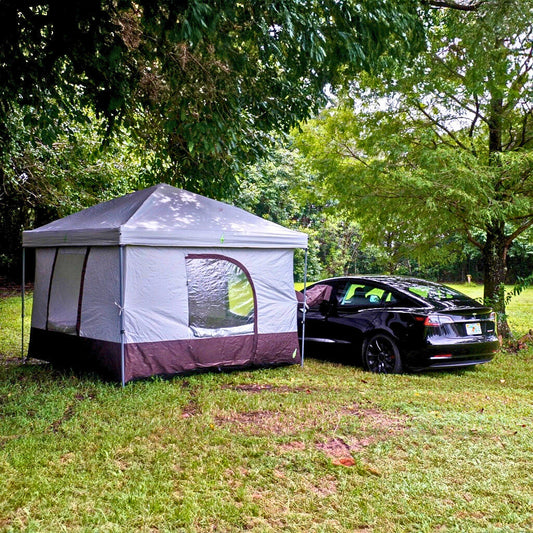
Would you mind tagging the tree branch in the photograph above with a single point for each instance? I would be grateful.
(524, 137)
(519, 231)
(471, 239)
(442, 127)
(352, 153)
(454, 5)
(466, 107)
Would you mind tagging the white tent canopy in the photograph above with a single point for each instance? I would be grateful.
(163, 281)
(164, 216)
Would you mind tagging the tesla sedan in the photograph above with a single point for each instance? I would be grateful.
(391, 324)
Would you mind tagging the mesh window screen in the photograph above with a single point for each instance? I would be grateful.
(221, 299)
(65, 290)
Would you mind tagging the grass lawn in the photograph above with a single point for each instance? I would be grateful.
(323, 448)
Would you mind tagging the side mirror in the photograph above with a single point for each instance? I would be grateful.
(326, 308)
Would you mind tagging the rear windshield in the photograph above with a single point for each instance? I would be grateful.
(436, 293)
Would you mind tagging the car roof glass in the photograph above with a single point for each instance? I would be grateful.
(435, 292)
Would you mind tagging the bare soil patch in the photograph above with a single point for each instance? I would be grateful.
(258, 387)
(258, 423)
(6, 360)
(376, 419)
(377, 426)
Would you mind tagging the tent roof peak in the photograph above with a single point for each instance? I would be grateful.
(163, 215)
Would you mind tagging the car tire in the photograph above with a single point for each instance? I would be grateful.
(381, 355)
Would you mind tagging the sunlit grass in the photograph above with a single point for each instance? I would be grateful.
(326, 447)
(519, 309)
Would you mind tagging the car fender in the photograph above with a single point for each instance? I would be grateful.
(379, 331)
(396, 323)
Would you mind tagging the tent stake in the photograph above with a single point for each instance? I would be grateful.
(121, 297)
(304, 307)
(23, 295)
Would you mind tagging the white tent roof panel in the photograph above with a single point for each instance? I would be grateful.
(163, 215)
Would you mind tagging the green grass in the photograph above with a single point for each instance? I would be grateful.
(10, 325)
(323, 448)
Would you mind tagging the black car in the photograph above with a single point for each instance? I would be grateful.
(391, 324)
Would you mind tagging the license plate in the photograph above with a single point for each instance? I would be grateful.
(473, 329)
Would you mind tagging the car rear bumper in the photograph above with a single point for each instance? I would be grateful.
(446, 354)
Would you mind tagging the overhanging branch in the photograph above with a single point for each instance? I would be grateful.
(519, 231)
(454, 5)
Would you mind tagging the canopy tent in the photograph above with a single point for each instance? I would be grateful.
(163, 281)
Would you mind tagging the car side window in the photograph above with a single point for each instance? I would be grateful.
(357, 294)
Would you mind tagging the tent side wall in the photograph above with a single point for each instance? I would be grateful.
(76, 315)
(75, 318)
(188, 309)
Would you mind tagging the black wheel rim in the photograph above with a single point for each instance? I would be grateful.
(381, 356)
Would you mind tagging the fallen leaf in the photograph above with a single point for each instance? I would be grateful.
(344, 461)
(372, 470)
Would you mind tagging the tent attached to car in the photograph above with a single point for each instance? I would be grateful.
(163, 281)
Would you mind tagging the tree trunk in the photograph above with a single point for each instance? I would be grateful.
(495, 270)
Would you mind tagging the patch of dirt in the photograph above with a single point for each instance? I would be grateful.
(17, 360)
(338, 451)
(292, 446)
(381, 425)
(327, 487)
(258, 423)
(376, 419)
(341, 454)
(334, 447)
(192, 407)
(257, 387)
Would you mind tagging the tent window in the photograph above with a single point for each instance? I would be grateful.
(65, 289)
(221, 297)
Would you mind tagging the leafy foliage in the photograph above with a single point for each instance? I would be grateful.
(46, 182)
(442, 147)
(202, 84)
(192, 91)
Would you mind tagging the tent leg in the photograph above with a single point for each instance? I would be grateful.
(304, 308)
(23, 308)
(121, 296)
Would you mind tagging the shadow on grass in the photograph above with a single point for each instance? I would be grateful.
(32, 372)
(345, 356)
(37, 372)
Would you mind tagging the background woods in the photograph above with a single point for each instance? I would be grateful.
(411, 123)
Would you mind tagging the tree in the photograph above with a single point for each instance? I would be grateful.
(197, 89)
(46, 182)
(201, 83)
(445, 144)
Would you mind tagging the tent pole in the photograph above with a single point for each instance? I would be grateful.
(23, 296)
(121, 296)
(304, 308)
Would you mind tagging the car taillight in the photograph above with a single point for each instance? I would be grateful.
(434, 321)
